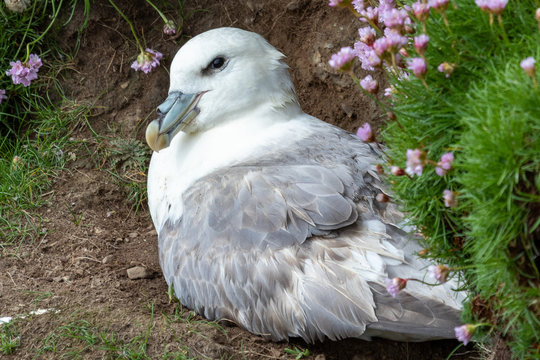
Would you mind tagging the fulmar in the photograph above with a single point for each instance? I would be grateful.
(266, 216)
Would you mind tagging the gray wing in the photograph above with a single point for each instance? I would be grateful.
(289, 245)
(273, 206)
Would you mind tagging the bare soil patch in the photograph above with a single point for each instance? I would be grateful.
(79, 267)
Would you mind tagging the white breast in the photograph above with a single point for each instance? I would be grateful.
(190, 157)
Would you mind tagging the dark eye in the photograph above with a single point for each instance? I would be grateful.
(217, 63)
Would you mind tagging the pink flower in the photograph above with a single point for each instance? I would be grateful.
(439, 272)
(464, 333)
(415, 162)
(420, 10)
(421, 43)
(335, 2)
(367, 56)
(528, 66)
(445, 164)
(365, 134)
(394, 39)
(369, 84)
(397, 171)
(393, 286)
(371, 14)
(34, 62)
(25, 73)
(358, 5)
(446, 68)
(390, 91)
(394, 18)
(380, 46)
(449, 198)
(2, 95)
(439, 5)
(492, 6)
(147, 60)
(169, 28)
(343, 59)
(367, 35)
(418, 66)
(537, 14)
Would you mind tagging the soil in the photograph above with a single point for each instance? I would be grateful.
(92, 233)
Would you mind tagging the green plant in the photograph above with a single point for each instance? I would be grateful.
(463, 92)
(33, 129)
(298, 353)
(9, 338)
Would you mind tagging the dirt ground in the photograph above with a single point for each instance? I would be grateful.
(93, 235)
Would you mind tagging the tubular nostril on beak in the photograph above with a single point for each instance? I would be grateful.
(168, 103)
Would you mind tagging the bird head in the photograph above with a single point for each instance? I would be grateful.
(216, 77)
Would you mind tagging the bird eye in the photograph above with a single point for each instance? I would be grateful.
(217, 63)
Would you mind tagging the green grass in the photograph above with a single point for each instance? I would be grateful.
(488, 114)
(9, 338)
(34, 129)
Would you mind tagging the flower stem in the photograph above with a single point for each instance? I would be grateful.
(130, 25)
(505, 37)
(165, 20)
(380, 103)
(423, 282)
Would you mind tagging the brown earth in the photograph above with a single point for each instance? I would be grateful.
(92, 235)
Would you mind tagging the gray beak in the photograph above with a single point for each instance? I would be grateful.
(174, 114)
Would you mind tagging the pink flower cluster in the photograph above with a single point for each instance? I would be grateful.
(495, 7)
(445, 164)
(335, 2)
(24, 73)
(365, 134)
(369, 84)
(147, 60)
(439, 5)
(528, 66)
(439, 272)
(421, 10)
(464, 333)
(169, 28)
(2, 95)
(343, 59)
(421, 43)
(449, 198)
(395, 285)
(415, 162)
(418, 67)
(395, 24)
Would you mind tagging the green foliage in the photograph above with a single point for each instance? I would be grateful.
(297, 353)
(9, 338)
(34, 131)
(488, 114)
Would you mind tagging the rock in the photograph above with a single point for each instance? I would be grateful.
(107, 259)
(139, 272)
(17, 5)
(320, 357)
(152, 232)
(133, 235)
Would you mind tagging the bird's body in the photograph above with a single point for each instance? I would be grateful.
(267, 216)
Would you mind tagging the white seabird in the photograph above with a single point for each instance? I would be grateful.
(266, 216)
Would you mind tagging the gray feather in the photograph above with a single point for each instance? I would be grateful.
(294, 245)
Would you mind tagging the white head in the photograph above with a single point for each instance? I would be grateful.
(215, 77)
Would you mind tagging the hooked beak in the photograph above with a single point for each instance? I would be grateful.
(174, 114)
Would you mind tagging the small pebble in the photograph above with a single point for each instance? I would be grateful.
(139, 272)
